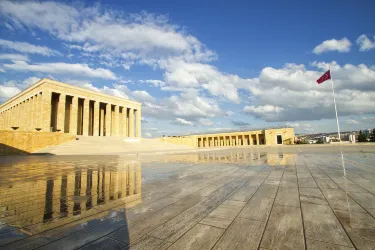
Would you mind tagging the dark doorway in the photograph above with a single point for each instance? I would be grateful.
(54, 106)
(279, 139)
(68, 107)
(80, 117)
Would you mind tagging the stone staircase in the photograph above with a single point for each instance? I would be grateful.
(90, 145)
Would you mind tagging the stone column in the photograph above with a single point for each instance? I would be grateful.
(46, 109)
(250, 140)
(96, 119)
(131, 122)
(108, 118)
(86, 115)
(102, 120)
(1, 121)
(32, 113)
(138, 123)
(20, 117)
(73, 116)
(26, 115)
(257, 139)
(36, 110)
(61, 113)
(125, 121)
(117, 121)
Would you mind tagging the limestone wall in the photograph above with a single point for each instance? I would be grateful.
(20, 142)
(286, 133)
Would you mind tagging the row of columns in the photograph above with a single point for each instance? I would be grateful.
(37, 112)
(227, 140)
(25, 114)
(56, 196)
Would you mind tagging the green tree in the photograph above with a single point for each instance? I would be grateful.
(319, 141)
(372, 135)
(361, 137)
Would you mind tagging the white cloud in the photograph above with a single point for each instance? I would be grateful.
(62, 68)
(342, 45)
(364, 43)
(181, 76)
(262, 109)
(143, 96)
(30, 80)
(13, 57)
(155, 83)
(181, 121)
(291, 93)
(301, 127)
(7, 92)
(28, 48)
(12, 88)
(351, 122)
(206, 122)
(189, 105)
(2, 70)
(143, 39)
(140, 37)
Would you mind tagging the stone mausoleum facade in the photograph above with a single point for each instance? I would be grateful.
(52, 106)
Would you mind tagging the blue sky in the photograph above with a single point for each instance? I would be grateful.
(201, 66)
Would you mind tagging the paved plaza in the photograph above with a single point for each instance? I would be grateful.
(250, 198)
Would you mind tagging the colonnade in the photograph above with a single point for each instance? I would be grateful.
(230, 140)
(50, 111)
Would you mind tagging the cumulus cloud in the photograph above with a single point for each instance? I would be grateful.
(13, 57)
(155, 83)
(183, 122)
(12, 88)
(143, 38)
(62, 69)
(7, 92)
(28, 48)
(205, 122)
(342, 45)
(143, 96)
(181, 75)
(290, 93)
(364, 43)
(140, 37)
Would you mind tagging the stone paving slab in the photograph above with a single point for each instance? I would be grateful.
(250, 198)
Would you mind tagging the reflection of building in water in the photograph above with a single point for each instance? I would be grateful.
(53, 202)
(234, 157)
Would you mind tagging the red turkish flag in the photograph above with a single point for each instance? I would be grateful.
(324, 77)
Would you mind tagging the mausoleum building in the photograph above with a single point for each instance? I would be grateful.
(52, 106)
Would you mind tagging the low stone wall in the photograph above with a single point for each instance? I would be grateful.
(186, 140)
(14, 142)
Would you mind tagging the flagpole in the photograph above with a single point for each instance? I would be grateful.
(334, 101)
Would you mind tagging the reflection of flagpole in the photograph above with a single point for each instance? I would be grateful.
(334, 101)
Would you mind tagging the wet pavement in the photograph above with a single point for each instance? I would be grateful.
(254, 198)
